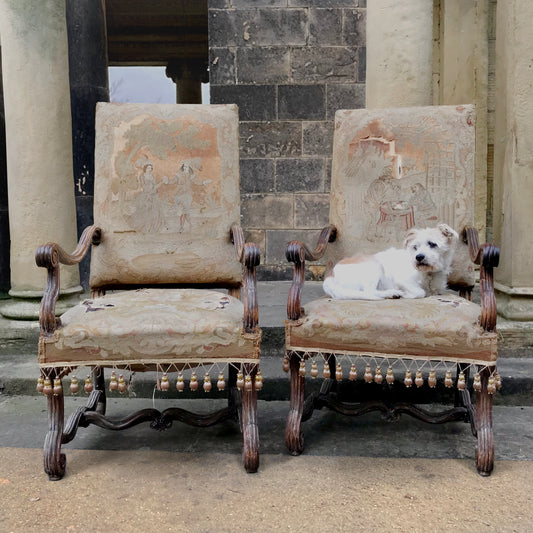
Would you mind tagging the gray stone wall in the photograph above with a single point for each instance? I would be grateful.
(288, 65)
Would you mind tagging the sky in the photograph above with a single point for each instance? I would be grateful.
(145, 85)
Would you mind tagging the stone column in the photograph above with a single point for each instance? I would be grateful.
(188, 75)
(4, 222)
(513, 159)
(39, 144)
(87, 48)
(399, 53)
(464, 59)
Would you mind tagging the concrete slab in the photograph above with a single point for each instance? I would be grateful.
(210, 492)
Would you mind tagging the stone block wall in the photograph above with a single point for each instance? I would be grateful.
(288, 65)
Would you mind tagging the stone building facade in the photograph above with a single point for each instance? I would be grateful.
(289, 66)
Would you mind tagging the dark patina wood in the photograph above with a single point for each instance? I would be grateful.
(297, 253)
(478, 414)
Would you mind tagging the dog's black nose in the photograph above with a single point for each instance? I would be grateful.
(420, 257)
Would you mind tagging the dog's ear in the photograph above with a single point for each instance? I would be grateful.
(409, 237)
(448, 232)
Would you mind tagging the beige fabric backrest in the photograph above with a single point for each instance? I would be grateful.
(394, 169)
(166, 193)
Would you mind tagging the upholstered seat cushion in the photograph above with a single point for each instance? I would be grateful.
(151, 326)
(441, 327)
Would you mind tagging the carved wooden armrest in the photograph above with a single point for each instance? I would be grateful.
(249, 255)
(297, 253)
(50, 256)
(487, 256)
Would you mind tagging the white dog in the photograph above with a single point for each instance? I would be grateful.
(420, 268)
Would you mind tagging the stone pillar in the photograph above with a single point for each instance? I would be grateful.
(463, 79)
(4, 222)
(87, 48)
(399, 41)
(39, 144)
(513, 159)
(188, 75)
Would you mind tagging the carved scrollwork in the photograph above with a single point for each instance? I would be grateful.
(50, 256)
(487, 256)
(297, 252)
(249, 255)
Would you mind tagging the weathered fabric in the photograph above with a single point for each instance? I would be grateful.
(166, 194)
(394, 169)
(151, 326)
(441, 327)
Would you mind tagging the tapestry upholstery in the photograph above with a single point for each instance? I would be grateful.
(151, 326)
(166, 194)
(443, 328)
(394, 169)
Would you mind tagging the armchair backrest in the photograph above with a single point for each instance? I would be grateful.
(166, 194)
(394, 169)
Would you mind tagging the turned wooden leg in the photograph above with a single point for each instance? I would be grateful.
(99, 384)
(250, 430)
(55, 462)
(294, 439)
(485, 437)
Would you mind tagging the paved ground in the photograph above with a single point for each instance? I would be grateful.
(360, 474)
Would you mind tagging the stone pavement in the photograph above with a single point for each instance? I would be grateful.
(361, 475)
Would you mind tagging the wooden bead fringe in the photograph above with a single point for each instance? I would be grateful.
(221, 384)
(368, 374)
(74, 385)
(193, 383)
(207, 383)
(88, 387)
(180, 384)
(240, 381)
(122, 385)
(113, 383)
(258, 380)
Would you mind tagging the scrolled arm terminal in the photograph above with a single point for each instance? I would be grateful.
(487, 256)
(297, 252)
(50, 256)
(249, 255)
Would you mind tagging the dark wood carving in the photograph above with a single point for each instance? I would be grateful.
(479, 415)
(297, 252)
(487, 257)
(249, 255)
(50, 256)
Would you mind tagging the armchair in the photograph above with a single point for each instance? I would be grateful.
(394, 169)
(165, 236)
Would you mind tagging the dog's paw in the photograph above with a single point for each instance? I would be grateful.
(393, 294)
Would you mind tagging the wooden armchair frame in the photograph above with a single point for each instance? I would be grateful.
(479, 415)
(242, 402)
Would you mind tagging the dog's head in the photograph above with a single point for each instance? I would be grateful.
(431, 249)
